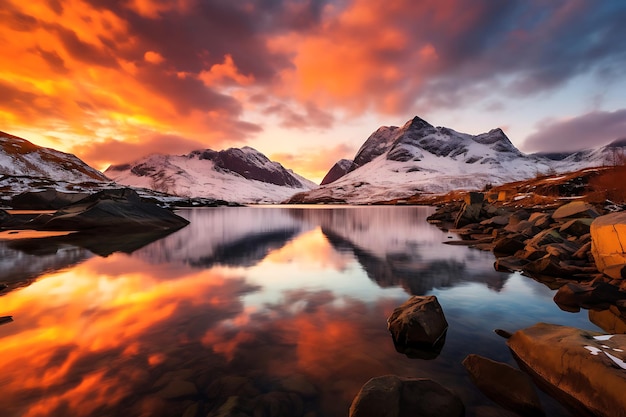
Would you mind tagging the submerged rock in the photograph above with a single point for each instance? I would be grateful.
(394, 396)
(418, 323)
(584, 370)
(110, 210)
(505, 385)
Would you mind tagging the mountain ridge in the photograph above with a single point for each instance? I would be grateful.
(398, 162)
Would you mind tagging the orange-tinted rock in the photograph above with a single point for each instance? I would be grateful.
(505, 385)
(608, 244)
(584, 370)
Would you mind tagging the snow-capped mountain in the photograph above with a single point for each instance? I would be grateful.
(397, 162)
(19, 157)
(240, 175)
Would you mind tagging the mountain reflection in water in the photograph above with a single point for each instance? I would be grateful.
(254, 309)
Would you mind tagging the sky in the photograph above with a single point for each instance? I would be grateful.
(307, 81)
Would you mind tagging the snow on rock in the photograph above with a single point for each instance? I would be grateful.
(398, 162)
(19, 157)
(239, 175)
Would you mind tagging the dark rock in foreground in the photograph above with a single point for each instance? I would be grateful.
(419, 324)
(393, 396)
(584, 370)
(110, 210)
(505, 385)
(49, 199)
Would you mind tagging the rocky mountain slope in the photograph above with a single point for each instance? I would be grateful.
(241, 175)
(19, 157)
(398, 162)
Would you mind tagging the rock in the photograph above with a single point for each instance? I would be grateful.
(393, 396)
(49, 199)
(545, 237)
(501, 220)
(576, 227)
(584, 370)
(609, 320)
(232, 385)
(508, 245)
(523, 227)
(548, 265)
(540, 220)
(278, 404)
(111, 210)
(518, 216)
(509, 264)
(192, 411)
(505, 385)
(583, 252)
(233, 407)
(575, 209)
(177, 389)
(300, 385)
(419, 323)
(590, 295)
(470, 211)
(608, 244)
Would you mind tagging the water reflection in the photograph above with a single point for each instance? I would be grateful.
(253, 309)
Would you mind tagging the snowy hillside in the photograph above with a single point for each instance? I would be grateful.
(19, 157)
(239, 175)
(395, 163)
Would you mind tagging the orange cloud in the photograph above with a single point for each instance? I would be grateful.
(314, 163)
(225, 71)
(153, 57)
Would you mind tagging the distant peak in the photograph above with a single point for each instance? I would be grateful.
(617, 143)
(417, 123)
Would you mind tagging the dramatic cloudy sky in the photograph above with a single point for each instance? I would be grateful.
(306, 81)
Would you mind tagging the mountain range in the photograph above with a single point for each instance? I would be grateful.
(393, 163)
(398, 162)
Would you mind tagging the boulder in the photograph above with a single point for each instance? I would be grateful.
(576, 227)
(509, 264)
(548, 265)
(49, 199)
(584, 370)
(418, 323)
(608, 244)
(110, 210)
(540, 220)
(505, 385)
(394, 396)
(508, 245)
(610, 320)
(470, 211)
(572, 296)
(545, 237)
(575, 209)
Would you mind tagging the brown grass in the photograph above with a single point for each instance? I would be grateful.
(609, 185)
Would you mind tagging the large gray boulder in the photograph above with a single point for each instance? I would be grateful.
(418, 323)
(109, 211)
(394, 396)
(608, 244)
(584, 370)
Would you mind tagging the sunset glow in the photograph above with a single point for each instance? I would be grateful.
(305, 81)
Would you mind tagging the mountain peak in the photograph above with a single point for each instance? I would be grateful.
(416, 123)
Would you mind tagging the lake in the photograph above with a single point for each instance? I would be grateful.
(264, 311)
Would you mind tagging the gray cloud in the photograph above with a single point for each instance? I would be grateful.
(587, 131)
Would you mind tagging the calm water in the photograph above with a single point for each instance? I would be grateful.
(282, 307)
